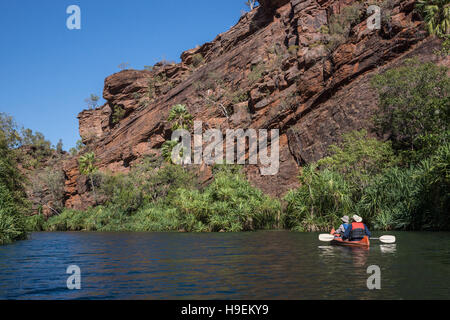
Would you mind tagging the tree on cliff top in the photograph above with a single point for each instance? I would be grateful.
(251, 4)
(92, 101)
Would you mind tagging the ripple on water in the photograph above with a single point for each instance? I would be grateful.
(260, 265)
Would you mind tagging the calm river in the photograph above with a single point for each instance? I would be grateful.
(260, 265)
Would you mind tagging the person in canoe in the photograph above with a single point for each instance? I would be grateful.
(357, 230)
(343, 227)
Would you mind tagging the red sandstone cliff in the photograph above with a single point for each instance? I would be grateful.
(309, 92)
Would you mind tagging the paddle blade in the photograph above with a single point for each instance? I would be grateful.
(326, 237)
(387, 239)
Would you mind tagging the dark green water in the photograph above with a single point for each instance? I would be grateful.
(261, 265)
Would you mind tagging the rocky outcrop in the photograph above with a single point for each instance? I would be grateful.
(274, 69)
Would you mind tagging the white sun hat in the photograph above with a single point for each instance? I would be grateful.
(357, 218)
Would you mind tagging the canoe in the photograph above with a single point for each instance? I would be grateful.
(364, 242)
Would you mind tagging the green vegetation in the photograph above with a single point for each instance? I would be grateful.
(358, 158)
(167, 148)
(436, 14)
(30, 148)
(154, 85)
(48, 189)
(197, 60)
(12, 195)
(256, 73)
(78, 147)
(180, 117)
(87, 167)
(403, 183)
(445, 50)
(158, 196)
(239, 96)
(166, 199)
(411, 198)
(414, 105)
(396, 177)
(324, 197)
(118, 114)
(339, 27)
(92, 101)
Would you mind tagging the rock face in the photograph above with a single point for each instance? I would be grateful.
(272, 70)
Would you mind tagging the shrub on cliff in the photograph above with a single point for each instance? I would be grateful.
(358, 158)
(197, 60)
(86, 165)
(436, 14)
(339, 27)
(414, 102)
(118, 114)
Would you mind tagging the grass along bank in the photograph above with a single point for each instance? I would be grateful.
(161, 200)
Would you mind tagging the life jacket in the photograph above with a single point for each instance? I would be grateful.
(358, 231)
(346, 225)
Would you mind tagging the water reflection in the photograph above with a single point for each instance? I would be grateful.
(260, 265)
(388, 248)
(358, 256)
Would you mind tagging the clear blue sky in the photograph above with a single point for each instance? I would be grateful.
(47, 70)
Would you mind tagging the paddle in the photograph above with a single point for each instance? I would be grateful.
(385, 239)
(326, 237)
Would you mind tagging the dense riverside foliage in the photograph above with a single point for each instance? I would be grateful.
(153, 199)
(12, 196)
(20, 146)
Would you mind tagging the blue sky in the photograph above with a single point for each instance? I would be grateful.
(47, 70)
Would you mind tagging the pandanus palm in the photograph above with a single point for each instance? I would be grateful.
(180, 117)
(167, 149)
(436, 14)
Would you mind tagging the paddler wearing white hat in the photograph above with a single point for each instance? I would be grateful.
(343, 227)
(357, 230)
